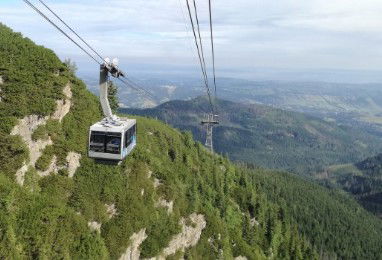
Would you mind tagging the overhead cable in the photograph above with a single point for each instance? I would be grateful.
(70, 28)
(212, 47)
(59, 29)
(128, 83)
(199, 55)
(200, 41)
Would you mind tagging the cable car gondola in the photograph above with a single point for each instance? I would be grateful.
(112, 138)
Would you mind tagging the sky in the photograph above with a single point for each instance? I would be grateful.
(251, 36)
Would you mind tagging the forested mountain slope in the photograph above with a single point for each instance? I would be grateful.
(270, 137)
(363, 180)
(170, 198)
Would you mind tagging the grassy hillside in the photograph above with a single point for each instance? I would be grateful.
(99, 210)
(363, 180)
(270, 137)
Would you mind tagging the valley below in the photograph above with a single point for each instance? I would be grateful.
(269, 137)
(348, 104)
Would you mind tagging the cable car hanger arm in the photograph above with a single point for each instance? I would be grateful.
(106, 68)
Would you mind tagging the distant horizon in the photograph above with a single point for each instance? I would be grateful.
(258, 74)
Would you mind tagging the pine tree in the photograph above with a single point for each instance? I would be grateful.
(113, 97)
(72, 66)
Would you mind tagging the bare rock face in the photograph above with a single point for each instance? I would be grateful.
(157, 183)
(63, 106)
(1, 83)
(73, 160)
(29, 124)
(165, 204)
(111, 210)
(189, 236)
(52, 168)
(20, 174)
(254, 222)
(95, 226)
(25, 129)
(133, 252)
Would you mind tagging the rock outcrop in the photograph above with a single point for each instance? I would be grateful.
(29, 124)
(133, 252)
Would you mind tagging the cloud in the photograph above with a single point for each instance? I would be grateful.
(340, 34)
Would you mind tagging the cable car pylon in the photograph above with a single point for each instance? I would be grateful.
(209, 123)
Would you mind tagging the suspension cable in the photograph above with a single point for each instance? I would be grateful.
(59, 29)
(200, 41)
(59, 18)
(212, 48)
(188, 33)
(199, 55)
(128, 83)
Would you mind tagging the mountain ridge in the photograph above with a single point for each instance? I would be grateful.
(269, 137)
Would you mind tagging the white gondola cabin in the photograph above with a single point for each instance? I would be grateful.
(112, 142)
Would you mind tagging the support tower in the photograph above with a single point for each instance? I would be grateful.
(209, 122)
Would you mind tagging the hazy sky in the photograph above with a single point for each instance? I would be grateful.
(293, 34)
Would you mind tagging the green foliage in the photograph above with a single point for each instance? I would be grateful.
(113, 96)
(52, 129)
(13, 152)
(31, 180)
(71, 65)
(23, 87)
(91, 246)
(159, 235)
(332, 221)
(45, 159)
(363, 180)
(6, 124)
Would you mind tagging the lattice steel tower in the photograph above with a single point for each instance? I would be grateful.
(209, 122)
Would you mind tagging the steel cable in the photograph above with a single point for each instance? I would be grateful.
(59, 29)
(59, 18)
(212, 47)
(200, 42)
(199, 55)
(129, 84)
